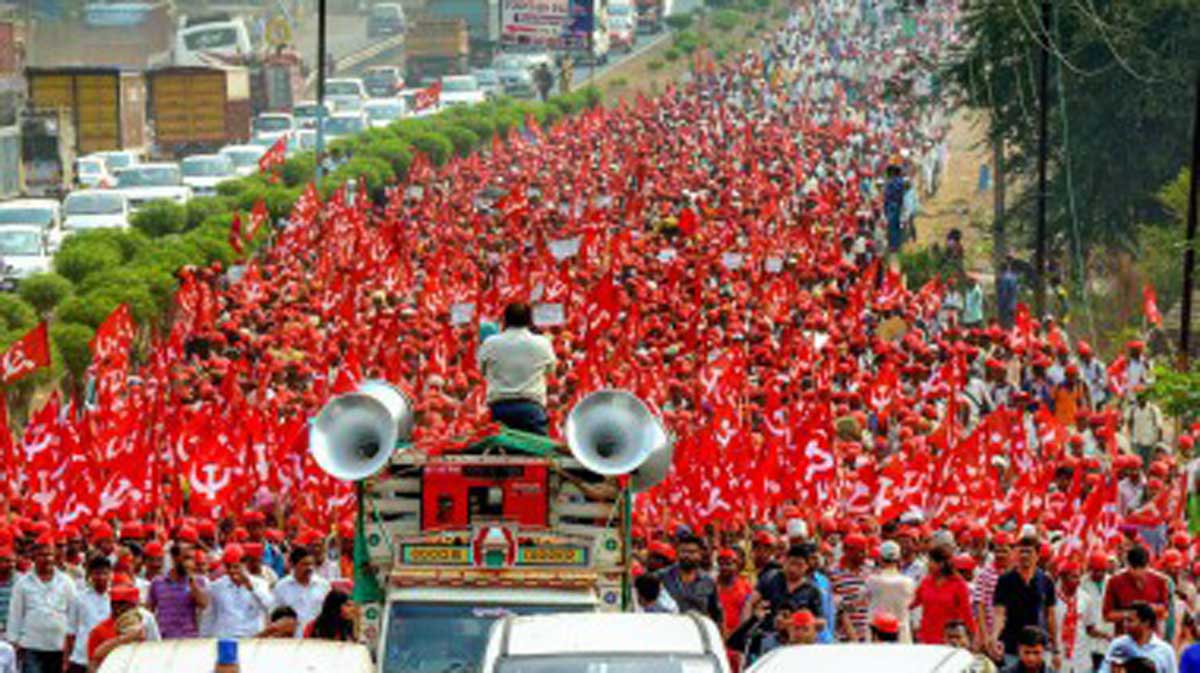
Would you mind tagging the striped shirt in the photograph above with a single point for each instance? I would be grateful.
(982, 591)
(850, 597)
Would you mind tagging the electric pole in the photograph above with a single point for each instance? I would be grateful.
(1039, 259)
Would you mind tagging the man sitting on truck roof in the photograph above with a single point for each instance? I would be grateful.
(515, 363)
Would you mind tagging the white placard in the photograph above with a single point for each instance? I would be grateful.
(774, 264)
(461, 314)
(536, 294)
(565, 248)
(666, 255)
(548, 315)
(733, 260)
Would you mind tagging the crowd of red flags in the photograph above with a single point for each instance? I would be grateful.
(689, 258)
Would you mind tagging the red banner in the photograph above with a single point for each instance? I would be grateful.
(30, 353)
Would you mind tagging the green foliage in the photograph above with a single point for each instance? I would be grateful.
(725, 20)
(618, 83)
(671, 55)
(76, 262)
(159, 218)
(299, 170)
(687, 41)
(464, 139)
(43, 291)
(679, 21)
(919, 266)
(434, 145)
(1177, 393)
(15, 314)
(73, 341)
(654, 65)
(201, 208)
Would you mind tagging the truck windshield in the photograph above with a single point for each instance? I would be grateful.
(273, 124)
(20, 243)
(608, 663)
(211, 38)
(42, 216)
(207, 167)
(429, 638)
(165, 176)
(94, 203)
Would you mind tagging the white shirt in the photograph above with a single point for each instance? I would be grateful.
(8, 658)
(515, 363)
(306, 600)
(238, 612)
(38, 613)
(88, 610)
(1088, 611)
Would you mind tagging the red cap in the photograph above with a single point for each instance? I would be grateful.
(102, 532)
(153, 550)
(345, 530)
(1181, 541)
(46, 539)
(662, 549)
(765, 538)
(233, 554)
(187, 534)
(253, 550)
(855, 540)
(254, 517)
(964, 562)
(885, 622)
(273, 535)
(727, 555)
(803, 618)
(1097, 560)
(124, 593)
(132, 531)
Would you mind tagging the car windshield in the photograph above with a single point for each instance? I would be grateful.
(620, 21)
(342, 89)
(90, 167)
(306, 111)
(42, 216)
(94, 203)
(211, 38)
(272, 124)
(206, 167)
(384, 12)
(461, 84)
(118, 160)
(149, 176)
(20, 243)
(620, 10)
(608, 663)
(428, 638)
(385, 112)
(486, 77)
(341, 126)
(509, 63)
(242, 158)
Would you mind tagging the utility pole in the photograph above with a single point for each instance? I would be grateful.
(1189, 251)
(321, 68)
(1039, 259)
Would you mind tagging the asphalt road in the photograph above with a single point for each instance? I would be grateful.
(345, 34)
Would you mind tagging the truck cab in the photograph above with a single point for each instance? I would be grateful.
(212, 40)
(507, 524)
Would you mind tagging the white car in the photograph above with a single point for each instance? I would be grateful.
(117, 159)
(345, 94)
(144, 183)
(461, 90)
(305, 113)
(889, 657)
(304, 140)
(43, 213)
(106, 209)
(383, 111)
(92, 173)
(342, 124)
(269, 127)
(203, 172)
(409, 96)
(583, 643)
(244, 157)
(24, 250)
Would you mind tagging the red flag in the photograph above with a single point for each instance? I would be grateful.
(428, 97)
(30, 353)
(235, 234)
(1150, 305)
(114, 336)
(274, 156)
(688, 222)
(259, 217)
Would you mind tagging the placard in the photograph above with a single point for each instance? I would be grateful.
(548, 315)
(565, 248)
(461, 314)
(774, 264)
(733, 260)
(666, 255)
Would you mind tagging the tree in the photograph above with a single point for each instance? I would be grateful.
(159, 218)
(78, 261)
(43, 291)
(1121, 76)
(74, 343)
(16, 315)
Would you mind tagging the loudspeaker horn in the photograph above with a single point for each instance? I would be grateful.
(612, 432)
(355, 434)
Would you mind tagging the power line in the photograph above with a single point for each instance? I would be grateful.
(1102, 28)
(1048, 45)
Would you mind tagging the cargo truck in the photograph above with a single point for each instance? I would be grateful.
(436, 47)
(483, 25)
(106, 106)
(650, 15)
(198, 110)
(47, 152)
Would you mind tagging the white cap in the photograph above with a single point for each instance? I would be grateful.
(889, 551)
(797, 528)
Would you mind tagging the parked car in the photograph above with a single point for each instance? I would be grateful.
(489, 82)
(461, 90)
(203, 172)
(117, 159)
(854, 658)
(345, 95)
(269, 127)
(107, 209)
(518, 83)
(382, 112)
(24, 250)
(386, 18)
(622, 31)
(383, 81)
(341, 124)
(43, 213)
(409, 96)
(583, 642)
(244, 157)
(144, 183)
(92, 173)
(305, 114)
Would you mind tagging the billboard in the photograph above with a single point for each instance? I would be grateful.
(535, 22)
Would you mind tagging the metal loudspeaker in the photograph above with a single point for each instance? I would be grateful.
(612, 432)
(354, 435)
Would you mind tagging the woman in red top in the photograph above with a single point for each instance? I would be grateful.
(943, 596)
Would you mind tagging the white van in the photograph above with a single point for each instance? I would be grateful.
(213, 42)
(873, 658)
(254, 656)
(581, 643)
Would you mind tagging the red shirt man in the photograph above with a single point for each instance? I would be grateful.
(732, 588)
(1138, 583)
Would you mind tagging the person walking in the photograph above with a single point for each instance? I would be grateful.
(890, 590)
(303, 590)
(177, 597)
(39, 614)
